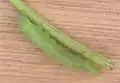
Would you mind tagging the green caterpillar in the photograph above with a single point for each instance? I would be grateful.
(83, 53)
(49, 46)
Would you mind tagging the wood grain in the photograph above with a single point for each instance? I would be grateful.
(96, 23)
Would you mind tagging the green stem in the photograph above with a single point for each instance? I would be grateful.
(61, 37)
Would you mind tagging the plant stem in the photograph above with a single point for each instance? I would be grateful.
(60, 36)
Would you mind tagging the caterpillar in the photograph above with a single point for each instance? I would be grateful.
(50, 47)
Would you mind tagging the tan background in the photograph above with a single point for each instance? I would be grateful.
(94, 22)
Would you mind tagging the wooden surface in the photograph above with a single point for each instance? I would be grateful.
(96, 23)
